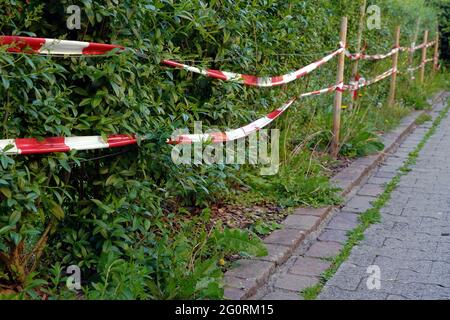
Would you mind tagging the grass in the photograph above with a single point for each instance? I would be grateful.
(387, 118)
(302, 181)
(372, 215)
(424, 117)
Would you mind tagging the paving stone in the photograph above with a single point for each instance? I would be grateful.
(324, 249)
(352, 173)
(385, 169)
(231, 293)
(385, 174)
(334, 293)
(440, 267)
(252, 270)
(395, 297)
(363, 259)
(309, 266)
(358, 204)
(344, 175)
(369, 161)
(344, 185)
(318, 212)
(392, 162)
(371, 190)
(333, 235)
(343, 221)
(412, 290)
(421, 266)
(286, 237)
(301, 222)
(389, 140)
(281, 295)
(238, 283)
(378, 180)
(294, 283)
(357, 170)
(348, 276)
(407, 276)
(277, 253)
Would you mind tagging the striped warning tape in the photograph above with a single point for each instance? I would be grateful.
(55, 47)
(427, 45)
(245, 131)
(67, 47)
(353, 86)
(251, 80)
(421, 65)
(421, 46)
(27, 146)
(362, 56)
(62, 144)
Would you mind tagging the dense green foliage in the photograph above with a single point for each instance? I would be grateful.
(129, 217)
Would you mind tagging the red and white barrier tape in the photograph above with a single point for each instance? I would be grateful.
(218, 137)
(427, 45)
(421, 65)
(61, 144)
(55, 46)
(250, 80)
(362, 56)
(245, 131)
(421, 46)
(67, 47)
(26, 146)
(353, 86)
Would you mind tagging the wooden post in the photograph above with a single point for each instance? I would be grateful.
(362, 14)
(338, 96)
(436, 53)
(424, 56)
(391, 100)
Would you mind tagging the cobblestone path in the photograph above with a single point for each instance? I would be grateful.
(410, 247)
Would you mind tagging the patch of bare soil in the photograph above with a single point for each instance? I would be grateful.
(343, 163)
(240, 216)
(243, 216)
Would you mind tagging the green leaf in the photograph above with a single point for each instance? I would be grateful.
(56, 210)
(96, 101)
(6, 192)
(103, 206)
(5, 82)
(14, 217)
(241, 241)
(5, 229)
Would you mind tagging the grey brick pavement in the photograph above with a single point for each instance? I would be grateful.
(411, 245)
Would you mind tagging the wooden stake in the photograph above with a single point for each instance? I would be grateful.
(338, 96)
(424, 57)
(362, 14)
(436, 53)
(391, 100)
